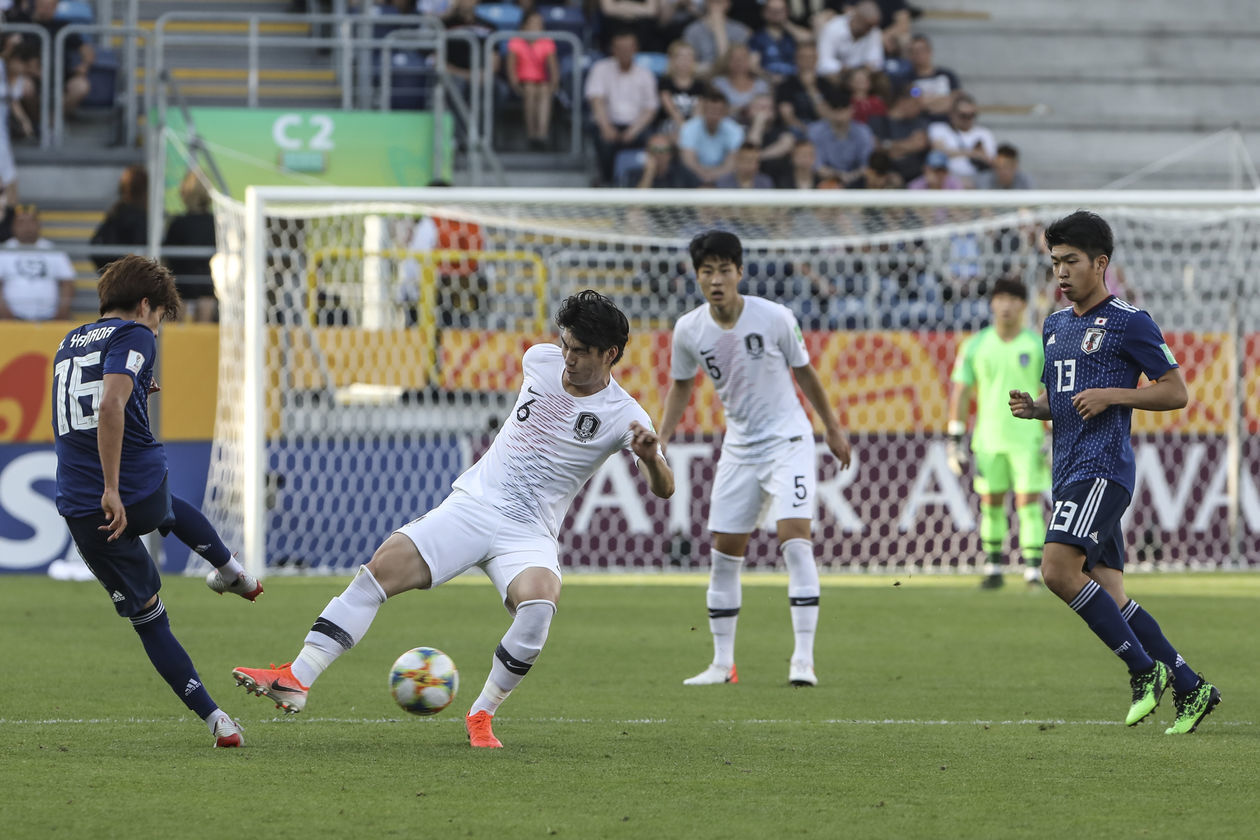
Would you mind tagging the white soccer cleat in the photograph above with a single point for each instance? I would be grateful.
(714, 675)
(801, 673)
(245, 585)
(227, 733)
(1032, 575)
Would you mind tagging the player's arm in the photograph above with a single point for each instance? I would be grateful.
(1025, 407)
(676, 400)
(646, 446)
(1168, 393)
(109, 438)
(811, 387)
(960, 394)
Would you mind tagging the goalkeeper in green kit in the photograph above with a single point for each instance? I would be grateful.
(1003, 357)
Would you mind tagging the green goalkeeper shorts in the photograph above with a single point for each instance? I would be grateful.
(1024, 471)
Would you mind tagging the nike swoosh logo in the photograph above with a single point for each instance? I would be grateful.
(283, 689)
(797, 504)
(530, 388)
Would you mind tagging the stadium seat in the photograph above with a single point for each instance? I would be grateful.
(628, 167)
(102, 80)
(75, 11)
(409, 82)
(970, 315)
(656, 62)
(565, 19)
(504, 16)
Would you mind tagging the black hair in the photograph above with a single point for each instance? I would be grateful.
(127, 281)
(1084, 230)
(711, 94)
(1012, 286)
(880, 162)
(595, 321)
(721, 244)
(837, 98)
(746, 145)
(1007, 150)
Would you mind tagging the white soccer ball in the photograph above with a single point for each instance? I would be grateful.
(424, 681)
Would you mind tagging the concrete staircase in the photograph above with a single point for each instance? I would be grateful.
(1092, 91)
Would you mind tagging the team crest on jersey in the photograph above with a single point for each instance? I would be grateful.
(755, 345)
(586, 426)
(1093, 339)
(1024, 359)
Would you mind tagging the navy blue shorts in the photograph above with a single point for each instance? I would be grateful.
(124, 566)
(1087, 515)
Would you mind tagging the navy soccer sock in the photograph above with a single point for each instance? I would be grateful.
(1102, 615)
(195, 531)
(1146, 628)
(171, 661)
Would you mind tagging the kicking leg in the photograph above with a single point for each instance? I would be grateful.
(195, 531)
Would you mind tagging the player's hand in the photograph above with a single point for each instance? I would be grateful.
(115, 515)
(956, 455)
(1022, 405)
(838, 443)
(1091, 402)
(154, 387)
(644, 441)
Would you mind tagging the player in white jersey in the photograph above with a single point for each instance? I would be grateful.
(750, 349)
(504, 512)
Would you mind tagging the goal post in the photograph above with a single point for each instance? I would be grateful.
(370, 342)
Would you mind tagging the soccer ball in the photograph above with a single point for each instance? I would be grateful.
(424, 681)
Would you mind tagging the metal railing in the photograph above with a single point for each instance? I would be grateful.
(127, 69)
(488, 79)
(46, 99)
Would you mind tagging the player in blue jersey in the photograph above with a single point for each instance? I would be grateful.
(111, 472)
(1095, 352)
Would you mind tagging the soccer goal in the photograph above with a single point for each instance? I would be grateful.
(371, 342)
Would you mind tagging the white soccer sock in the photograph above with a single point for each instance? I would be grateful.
(231, 570)
(212, 719)
(515, 654)
(803, 592)
(723, 600)
(339, 627)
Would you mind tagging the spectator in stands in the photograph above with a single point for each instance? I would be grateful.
(680, 88)
(126, 223)
(714, 33)
(747, 174)
(738, 81)
(801, 174)
(638, 16)
(79, 54)
(36, 283)
(894, 22)
(193, 227)
(708, 142)
(462, 17)
(970, 146)
(768, 133)
(677, 15)
(879, 174)
(775, 42)
(533, 71)
(851, 40)
(937, 85)
(936, 175)
(1005, 174)
(21, 79)
(903, 133)
(843, 145)
(661, 167)
(623, 100)
(866, 103)
(800, 97)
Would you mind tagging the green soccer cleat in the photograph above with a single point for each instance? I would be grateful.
(1148, 687)
(1193, 707)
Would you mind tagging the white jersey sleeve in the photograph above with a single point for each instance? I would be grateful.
(750, 368)
(550, 443)
(683, 361)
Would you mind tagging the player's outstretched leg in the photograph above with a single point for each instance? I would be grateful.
(992, 539)
(723, 599)
(803, 594)
(515, 655)
(195, 531)
(339, 627)
(1194, 696)
(172, 662)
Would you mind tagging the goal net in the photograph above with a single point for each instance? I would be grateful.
(371, 343)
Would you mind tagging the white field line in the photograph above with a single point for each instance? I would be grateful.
(297, 720)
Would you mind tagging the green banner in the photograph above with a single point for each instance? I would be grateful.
(311, 147)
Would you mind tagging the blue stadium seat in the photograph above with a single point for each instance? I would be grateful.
(656, 62)
(409, 82)
(628, 167)
(505, 16)
(564, 19)
(970, 314)
(75, 11)
(102, 80)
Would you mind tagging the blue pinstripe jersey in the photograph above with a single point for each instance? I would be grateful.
(1109, 346)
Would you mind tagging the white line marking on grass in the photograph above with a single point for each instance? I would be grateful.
(296, 719)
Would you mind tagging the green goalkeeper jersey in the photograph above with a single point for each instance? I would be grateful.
(993, 368)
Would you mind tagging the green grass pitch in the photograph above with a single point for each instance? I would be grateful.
(942, 711)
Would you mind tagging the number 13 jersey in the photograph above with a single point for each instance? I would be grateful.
(749, 366)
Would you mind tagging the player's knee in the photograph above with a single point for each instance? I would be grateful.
(533, 584)
(1061, 572)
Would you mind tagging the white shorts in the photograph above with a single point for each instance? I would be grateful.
(748, 495)
(464, 532)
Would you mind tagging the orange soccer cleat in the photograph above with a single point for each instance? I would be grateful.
(277, 683)
(479, 732)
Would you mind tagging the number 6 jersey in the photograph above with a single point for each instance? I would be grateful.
(85, 355)
(749, 368)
